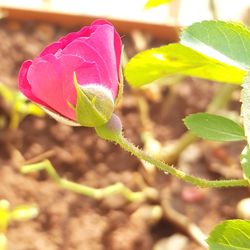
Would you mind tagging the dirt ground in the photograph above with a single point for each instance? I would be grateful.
(69, 221)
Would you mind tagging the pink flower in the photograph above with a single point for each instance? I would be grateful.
(93, 54)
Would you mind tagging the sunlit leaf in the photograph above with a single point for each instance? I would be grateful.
(155, 3)
(230, 235)
(213, 50)
(214, 127)
(227, 42)
(164, 61)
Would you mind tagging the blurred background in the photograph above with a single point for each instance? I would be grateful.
(68, 221)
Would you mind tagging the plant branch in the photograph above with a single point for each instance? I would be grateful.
(95, 193)
(199, 182)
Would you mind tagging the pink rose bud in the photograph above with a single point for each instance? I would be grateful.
(76, 79)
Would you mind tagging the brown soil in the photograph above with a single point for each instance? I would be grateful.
(69, 221)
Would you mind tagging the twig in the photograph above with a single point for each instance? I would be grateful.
(181, 220)
(95, 193)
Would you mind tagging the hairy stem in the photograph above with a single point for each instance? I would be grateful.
(199, 182)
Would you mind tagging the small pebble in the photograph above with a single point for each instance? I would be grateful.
(243, 209)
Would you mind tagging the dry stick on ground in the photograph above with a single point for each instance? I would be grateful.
(45, 155)
(181, 220)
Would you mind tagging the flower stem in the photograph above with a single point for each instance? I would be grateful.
(95, 193)
(199, 182)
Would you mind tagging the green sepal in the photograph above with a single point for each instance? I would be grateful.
(94, 107)
(112, 130)
(121, 81)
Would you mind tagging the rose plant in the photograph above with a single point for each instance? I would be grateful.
(77, 80)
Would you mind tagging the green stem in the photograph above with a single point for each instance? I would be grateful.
(221, 99)
(126, 145)
(95, 193)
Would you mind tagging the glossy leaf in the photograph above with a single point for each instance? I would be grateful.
(214, 127)
(213, 50)
(230, 235)
(245, 107)
(155, 3)
(164, 61)
(227, 42)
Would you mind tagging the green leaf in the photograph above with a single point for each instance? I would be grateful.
(155, 3)
(214, 127)
(213, 50)
(164, 61)
(245, 107)
(245, 161)
(230, 235)
(227, 42)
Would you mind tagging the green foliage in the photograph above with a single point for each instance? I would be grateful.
(213, 50)
(214, 127)
(230, 235)
(19, 102)
(245, 162)
(18, 213)
(165, 61)
(20, 107)
(24, 212)
(154, 3)
(245, 107)
(227, 42)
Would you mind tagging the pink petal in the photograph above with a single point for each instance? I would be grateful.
(84, 32)
(117, 41)
(64, 41)
(101, 22)
(84, 50)
(24, 85)
(106, 42)
(51, 80)
(51, 49)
